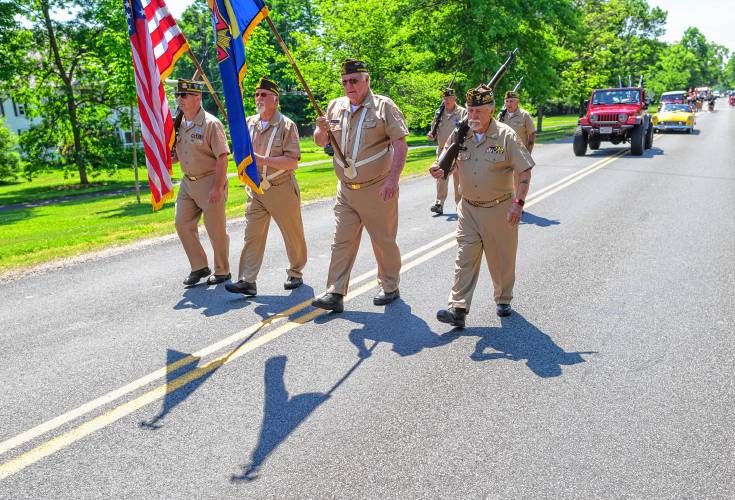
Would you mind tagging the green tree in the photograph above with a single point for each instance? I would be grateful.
(74, 75)
(10, 161)
(673, 71)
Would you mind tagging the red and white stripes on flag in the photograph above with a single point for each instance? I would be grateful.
(157, 43)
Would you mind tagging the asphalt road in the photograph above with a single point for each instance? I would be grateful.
(613, 379)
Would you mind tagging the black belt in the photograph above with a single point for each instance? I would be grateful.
(489, 204)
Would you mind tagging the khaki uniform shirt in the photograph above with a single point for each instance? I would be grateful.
(200, 144)
(285, 142)
(448, 123)
(383, 124)
(522, 123)
(486, 167)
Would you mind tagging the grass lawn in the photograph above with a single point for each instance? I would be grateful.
(39, 234)
(66, 228)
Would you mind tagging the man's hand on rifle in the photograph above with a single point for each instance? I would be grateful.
(436, 171)
(430, 136)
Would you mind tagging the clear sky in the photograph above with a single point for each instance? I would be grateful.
(714, 18)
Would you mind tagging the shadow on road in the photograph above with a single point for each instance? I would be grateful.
(268, 305)
(407, 333)
(176, 390)
(537, 220)
(213, 300)
(282, 414)
(519, 340)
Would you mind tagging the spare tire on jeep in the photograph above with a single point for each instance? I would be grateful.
(580, 142)
(636, 139)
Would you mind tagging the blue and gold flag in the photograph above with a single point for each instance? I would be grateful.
(233, 21)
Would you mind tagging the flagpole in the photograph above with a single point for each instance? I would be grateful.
(207, 83)
(332, 139)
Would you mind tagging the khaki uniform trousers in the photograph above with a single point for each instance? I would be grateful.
(353, 210)
(484, 230)
(442, 189)
(191, 202)
(282, 202)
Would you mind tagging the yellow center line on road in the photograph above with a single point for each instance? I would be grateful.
(111, 396)
(55, 444)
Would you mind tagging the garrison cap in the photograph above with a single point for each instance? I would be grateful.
(269, 85)
(448, 92)
(188, 87)
(480, 95)
(511, 95)
(353, 66)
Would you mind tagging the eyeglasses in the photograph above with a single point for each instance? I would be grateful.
(351, 81)
(263, 94)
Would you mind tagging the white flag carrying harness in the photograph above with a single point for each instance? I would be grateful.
(352, 165)
(265, 179)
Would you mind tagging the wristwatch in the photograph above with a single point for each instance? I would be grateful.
(519, 202)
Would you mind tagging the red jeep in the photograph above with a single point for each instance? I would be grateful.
(615, 115)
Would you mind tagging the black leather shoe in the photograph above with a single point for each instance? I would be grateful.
(330, 302)
(385, 298)
(216, 279)
(292, 282)
(195, 276)
(243, 287)
(503, 310)
(453, 316)
(437, 208)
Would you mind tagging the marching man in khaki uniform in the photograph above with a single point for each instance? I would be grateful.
(452, 115)
(488, 215)
(277, 152)
(201, 148)
(520, 121)
(371, 131)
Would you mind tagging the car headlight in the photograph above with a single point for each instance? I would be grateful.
(623, 117)
(593, 118)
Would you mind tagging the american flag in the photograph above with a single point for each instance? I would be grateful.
(157, 44)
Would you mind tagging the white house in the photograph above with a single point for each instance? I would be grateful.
(15, 116)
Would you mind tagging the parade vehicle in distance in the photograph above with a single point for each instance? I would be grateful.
(615, 115)
(678, 117)
(674, 97)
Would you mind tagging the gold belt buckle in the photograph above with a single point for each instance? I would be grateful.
(192, 177)
(355, 186)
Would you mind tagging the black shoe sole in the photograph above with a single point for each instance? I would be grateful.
(453, 322)
(286, 286)
(384, 302)
(338, 308)
(504, 314)
(243, 292)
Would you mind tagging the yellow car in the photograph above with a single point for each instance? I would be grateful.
(674, 117)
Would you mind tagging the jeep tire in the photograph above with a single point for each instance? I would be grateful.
(649, 137)
(594, 143)
(579, 142)
(637, 139)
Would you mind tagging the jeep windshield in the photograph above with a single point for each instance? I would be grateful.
(616, 97)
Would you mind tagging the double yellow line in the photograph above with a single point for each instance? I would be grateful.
(421, 254)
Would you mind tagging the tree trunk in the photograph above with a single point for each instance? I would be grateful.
(539, 118)
(69, 91)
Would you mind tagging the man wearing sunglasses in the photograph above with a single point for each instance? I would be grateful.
(277, 152)
(201, 148)
(371, 132)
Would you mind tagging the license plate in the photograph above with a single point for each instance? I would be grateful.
(606, 130)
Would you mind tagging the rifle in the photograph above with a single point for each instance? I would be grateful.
(504, 111)
(440, 112)
(449, 155)
(177, 124)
